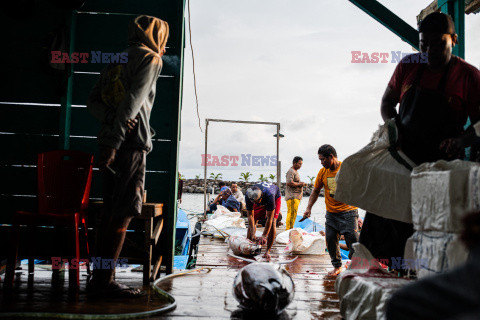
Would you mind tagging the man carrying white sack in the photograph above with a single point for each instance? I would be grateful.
(436, 95)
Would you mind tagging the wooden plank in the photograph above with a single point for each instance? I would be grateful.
(24, 148)
(154, 274)
(29, 119)
(157, 231)
(149, 210)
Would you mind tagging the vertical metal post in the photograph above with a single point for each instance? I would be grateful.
(278, 157)
(205, 173)
(66, 101)
(456, 9)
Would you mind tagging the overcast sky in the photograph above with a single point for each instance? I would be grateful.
(288, 62)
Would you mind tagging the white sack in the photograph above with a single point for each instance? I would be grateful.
(441, 194)
(283, 237)
(373, 180)
(363, 293)
(435, 252)
(302, 242)
(224, 220)
(224, 212)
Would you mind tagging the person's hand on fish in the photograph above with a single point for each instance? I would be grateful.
(261, 240)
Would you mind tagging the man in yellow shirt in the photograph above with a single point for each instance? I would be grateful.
(341, 219)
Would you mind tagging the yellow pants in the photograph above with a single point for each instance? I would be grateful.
(292, 207)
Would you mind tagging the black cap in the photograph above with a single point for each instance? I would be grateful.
(437, 22)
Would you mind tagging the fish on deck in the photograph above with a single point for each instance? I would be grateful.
(242, 246)
(263, 287)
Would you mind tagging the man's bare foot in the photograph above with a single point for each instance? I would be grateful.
(335, 272)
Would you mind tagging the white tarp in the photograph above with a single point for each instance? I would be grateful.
(298, 241)
(442, 192)
(434, 252)
(373, 180)
(363, 292)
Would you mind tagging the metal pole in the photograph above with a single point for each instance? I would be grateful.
(205, 173)
(278, 157)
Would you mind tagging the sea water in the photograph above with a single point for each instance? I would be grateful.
(193, 203)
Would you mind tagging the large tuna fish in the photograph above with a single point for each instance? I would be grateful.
(243, 246)
(263, 287)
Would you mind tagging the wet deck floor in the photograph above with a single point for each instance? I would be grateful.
(198, 295)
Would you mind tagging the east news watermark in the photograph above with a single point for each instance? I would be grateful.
(243, 160)
(89, 57)
(96, 262)
(396, 263)
(388, 57)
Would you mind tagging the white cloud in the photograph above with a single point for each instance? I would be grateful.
(289, 62)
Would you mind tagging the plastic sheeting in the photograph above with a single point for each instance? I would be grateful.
(223, 218)
(373, 180)
(365, 287)
(301, 242)
(434, 252)
(442, 192)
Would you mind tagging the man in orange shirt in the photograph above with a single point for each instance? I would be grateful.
(341, 219)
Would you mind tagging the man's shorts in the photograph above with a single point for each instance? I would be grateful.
(123, 191)
(260, 212)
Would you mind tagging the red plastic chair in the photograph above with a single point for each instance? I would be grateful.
(64, 180)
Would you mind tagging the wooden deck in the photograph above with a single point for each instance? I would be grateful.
(315, 297)
(198, 296)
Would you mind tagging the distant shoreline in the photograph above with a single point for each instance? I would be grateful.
(197, 186)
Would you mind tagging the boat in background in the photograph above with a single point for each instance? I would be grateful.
(183, 238)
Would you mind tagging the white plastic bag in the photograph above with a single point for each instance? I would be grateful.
(222, 219)
(373, 180)
(434, 252)
(363, 292)
(224, 212)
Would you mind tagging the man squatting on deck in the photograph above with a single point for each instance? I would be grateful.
(124, 142)
(435, 100)
(263, 201)
(341, 219)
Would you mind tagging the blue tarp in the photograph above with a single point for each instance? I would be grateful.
(180, 262)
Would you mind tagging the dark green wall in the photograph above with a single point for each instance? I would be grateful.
(61, 120)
